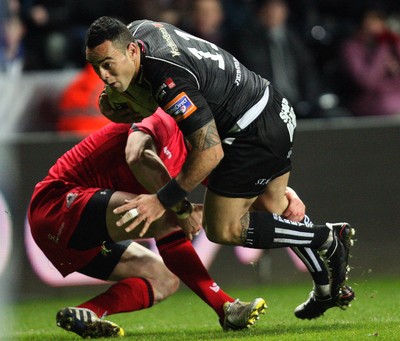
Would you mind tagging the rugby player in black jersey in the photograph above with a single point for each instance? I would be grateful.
(240, 132)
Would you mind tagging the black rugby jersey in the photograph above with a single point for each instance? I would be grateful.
(193, 80)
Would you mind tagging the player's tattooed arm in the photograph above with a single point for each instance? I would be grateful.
(204, 155)
(205, 137)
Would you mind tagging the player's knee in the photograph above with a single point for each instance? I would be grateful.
(223, 234)
(173, 284)
(164, 286)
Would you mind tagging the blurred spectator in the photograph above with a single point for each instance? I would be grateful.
(79, 109)
(56, 29)
(171, 16)
(45, 39)
(271, 48)
(237, 13)
(206, 20)
(81, 14)
(371, 58)
(11, 35)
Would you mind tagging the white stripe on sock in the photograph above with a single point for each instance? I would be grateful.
(294, 233)
(291, 241)
(313, 259)
(304, 259)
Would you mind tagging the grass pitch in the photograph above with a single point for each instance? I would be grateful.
(374, 315)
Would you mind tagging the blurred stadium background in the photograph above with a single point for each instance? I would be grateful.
(344, 168)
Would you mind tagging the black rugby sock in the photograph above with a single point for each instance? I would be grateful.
(268, 231)
(314, 263)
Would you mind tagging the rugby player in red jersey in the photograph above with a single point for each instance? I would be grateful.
(72, 221)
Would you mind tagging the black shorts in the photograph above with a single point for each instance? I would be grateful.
(258, 154)
(105, 262)
(92, 232)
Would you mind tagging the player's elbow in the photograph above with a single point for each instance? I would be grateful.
(215, 154)
(135, 157)
(220, 154)
(136, 150)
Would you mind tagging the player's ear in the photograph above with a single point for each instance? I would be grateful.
(133, 50)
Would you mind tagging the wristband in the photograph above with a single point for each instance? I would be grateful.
(171, 194)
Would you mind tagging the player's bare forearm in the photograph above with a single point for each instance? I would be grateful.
(144, 162)
(205, 154)
(153, 174)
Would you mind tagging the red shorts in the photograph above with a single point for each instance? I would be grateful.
(54, 214)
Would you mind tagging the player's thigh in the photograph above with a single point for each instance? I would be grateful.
(117, 199)
(223, 217)
(274, 198)
(162, 226)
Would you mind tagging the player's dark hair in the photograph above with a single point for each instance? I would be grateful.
(107, 28)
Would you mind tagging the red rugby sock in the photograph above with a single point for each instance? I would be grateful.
(127, 295)
(181, 258)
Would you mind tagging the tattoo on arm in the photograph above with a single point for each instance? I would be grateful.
(205, 137)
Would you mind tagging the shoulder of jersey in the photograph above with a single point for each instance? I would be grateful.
(135, 25)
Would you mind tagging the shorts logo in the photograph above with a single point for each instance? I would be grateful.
(287, 115)
(180, 107)
(56, 239)
(104, 251)
(71, 198)
(262, 182)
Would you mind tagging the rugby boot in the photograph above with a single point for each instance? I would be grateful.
(337, 257)
(241, 315)
(86, 323)
(316, 306)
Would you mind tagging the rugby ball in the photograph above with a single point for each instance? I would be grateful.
(117, 101)
(144, 104)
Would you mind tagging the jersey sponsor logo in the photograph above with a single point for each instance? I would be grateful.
(167, 152)
(169, 83)
(168, 39)
(160, 93)
(180, 107)
(238, 77)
